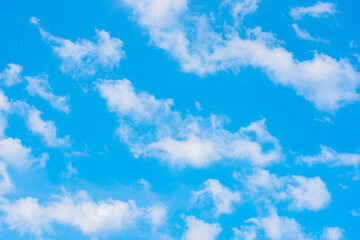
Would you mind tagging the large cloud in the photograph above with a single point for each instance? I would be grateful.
(151, 128)
(92, 218)
(327, 82)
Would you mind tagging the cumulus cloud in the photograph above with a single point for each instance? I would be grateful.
(13, 153)
(272, 227)
(332, 158)
(92, 218)
(327, 82)
(198, 229)
(11, 75)
(301, 192)
(320, 9)
(83, 57)
(222, 197)
(333, 233)
(40, 86)
(151, 128)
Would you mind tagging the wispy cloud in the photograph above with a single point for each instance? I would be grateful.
(320, 9)
(83, 57)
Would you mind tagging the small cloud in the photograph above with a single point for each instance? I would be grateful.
(198, 106)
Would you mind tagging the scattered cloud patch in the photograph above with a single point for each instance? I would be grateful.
(301, 192)
(183, 140)
(11, 75)
(92, 218)
(198, 229)
(333, 233)
(83, 57)
(222, 197)
(327, 82)
(40, 86)
(272, 227)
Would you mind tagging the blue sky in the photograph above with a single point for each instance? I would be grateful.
(176, 119)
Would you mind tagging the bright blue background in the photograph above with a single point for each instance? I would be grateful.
(245, 97)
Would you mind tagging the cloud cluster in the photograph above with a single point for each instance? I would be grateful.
(301, 192)
(83, 57)
(275, 227)
(222, 197)
(92, 218)
(38, 85)
(189, 37)
(151, 128)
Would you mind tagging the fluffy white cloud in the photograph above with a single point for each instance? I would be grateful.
(222, 197)
(308, 193)
(40, 86)
(333, 233)
(198, 229)
(333, 158)
(303, 34)
(13, 153)
(320, 9)
(327, 82)
(11, 75)
(79, 211)
(83, 57)
(272, 227)
(301, 192)
(46, 129)
(151, 128)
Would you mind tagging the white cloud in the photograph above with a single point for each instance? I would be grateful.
(333, 158)
(301, 192)
(222, 197)
(303, 34)
(11, 75)
(13, 153)
(6, 185)
(198, 106)
(83, 57)
(198, 229)
(320, 9)
(240, 8)
(40, 86)
(333, 233)
(46, 129)
(70, 171)
(327, 82)
(79, 211)
(272, 227)
(156, 215)
(181, 141)
(355, 213)
(308, 193)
